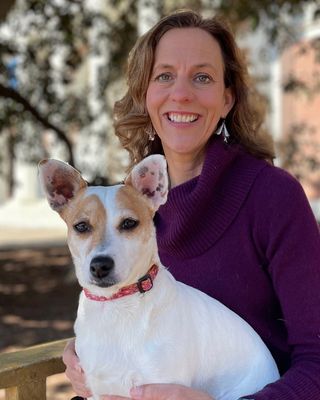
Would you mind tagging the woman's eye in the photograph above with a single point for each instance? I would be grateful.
(128, 224)
(82, 227)
(203, 78)
(165, 77)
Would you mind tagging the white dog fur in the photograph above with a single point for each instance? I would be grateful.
(171, 334)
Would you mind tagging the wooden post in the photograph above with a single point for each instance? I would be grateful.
(23, 373)
(35, 390)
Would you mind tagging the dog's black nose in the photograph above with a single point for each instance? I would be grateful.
(78, 398)
(100, 267)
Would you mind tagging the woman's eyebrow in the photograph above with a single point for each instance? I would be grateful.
(169, 66)
(206, 65)
(163, 66)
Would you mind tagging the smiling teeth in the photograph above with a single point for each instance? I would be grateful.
(182, 117)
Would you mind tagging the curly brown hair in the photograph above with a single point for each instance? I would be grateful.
(244, 121)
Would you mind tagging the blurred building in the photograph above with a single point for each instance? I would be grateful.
(300, 105)
(290, 80)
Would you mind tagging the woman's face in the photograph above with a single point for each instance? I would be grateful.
(186, 96)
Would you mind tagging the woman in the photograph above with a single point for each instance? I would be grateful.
(234, 226)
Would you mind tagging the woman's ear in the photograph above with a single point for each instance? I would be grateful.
(229, 100)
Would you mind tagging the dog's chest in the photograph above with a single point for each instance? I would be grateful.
(117, 349)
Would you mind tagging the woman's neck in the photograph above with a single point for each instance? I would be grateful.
(184, 167)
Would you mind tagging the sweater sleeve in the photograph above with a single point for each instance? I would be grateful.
(292, 248)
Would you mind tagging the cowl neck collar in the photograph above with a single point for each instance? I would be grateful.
(198, 212)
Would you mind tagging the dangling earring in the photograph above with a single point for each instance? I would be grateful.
(222, 130)
(150, 131)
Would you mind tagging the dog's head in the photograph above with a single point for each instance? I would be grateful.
(110, 229)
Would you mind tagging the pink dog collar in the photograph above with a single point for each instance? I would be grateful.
(143, 285)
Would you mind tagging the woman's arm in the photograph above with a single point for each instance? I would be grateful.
(291, 242)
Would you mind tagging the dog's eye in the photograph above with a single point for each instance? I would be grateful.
(82, 227)
(129, 223)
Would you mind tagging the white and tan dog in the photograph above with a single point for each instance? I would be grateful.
(136, 324)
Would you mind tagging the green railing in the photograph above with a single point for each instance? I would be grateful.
(23, 373)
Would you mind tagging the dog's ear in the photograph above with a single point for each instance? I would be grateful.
(150, 178)
(60, 182)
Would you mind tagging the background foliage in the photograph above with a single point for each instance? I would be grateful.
(62, 64)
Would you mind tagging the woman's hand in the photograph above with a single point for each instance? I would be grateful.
(162, 392)
(73, 371)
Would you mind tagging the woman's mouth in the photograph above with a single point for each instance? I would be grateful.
(181, 117)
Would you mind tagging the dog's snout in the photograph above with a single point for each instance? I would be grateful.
(100, 267)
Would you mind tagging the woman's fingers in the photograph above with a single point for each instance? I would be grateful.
(74, 371)
(167, 392)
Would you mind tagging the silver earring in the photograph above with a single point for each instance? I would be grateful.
(150, 131)
(222, 130)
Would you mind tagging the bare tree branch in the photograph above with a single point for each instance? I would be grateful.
(12, 94)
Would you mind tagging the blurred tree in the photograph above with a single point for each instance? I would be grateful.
(61, 67)
(57, 59)
(300, 144)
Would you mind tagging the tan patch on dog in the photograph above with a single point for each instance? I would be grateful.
(87, 209)
(128, 198)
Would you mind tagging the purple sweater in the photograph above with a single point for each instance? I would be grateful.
(243, 233)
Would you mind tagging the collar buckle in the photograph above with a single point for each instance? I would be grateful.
(145, 283)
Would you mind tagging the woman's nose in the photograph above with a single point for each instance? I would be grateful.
(181, 91)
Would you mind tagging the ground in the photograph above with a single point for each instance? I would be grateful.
(38, 301)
